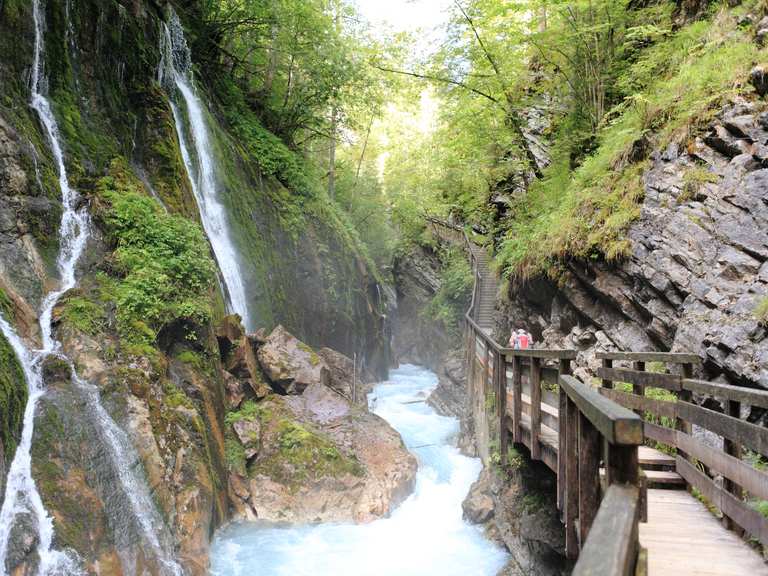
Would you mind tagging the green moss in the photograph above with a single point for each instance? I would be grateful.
(693, 181)
(163, 262)
(533, 502)
(304, 454)
(234, 454)
(13, 398)
(314, 357)
(83, 315)
(585, 212)
(295, 454)
(174, 397)
(452, 298)
(761, 311)
(6, 305)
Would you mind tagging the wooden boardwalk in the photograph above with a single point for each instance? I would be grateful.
(627, 508)
(683, 537)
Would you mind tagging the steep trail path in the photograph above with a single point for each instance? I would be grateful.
(487, 288)
(486, 281)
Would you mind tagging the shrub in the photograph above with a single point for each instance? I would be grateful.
(163, 262)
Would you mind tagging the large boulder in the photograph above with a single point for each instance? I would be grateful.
(321, 459)
(291, 365)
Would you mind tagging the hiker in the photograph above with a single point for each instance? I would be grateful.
(523, 340)
(520, 339)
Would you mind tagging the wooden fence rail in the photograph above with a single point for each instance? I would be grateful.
(744, 484)
(590, 436)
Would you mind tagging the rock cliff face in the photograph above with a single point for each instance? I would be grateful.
(697, 274)
(416, 338)
(168, 389)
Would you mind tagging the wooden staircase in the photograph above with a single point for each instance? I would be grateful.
(486, 289)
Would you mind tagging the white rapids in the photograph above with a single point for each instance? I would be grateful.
(22, 498)
(425, 536)
(175, 75)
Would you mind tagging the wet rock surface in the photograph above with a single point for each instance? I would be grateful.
(417, 340)
(516, 507)
(319, 457)
(698, 268)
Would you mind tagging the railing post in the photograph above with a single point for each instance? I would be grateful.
(621, 466)
(487, 370)
(638, 389)
(535, 408)
(684, 396)
(590, 450)
(564, 368)
(607, 363)
(502, 402)
(732, 408)
(571, 504)
(517, 399)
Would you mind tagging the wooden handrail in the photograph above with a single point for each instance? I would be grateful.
(738, 475)
(614, 422)
(669, 357)
(749, 396)
(611, 548)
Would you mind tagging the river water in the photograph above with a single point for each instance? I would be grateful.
(424, 536)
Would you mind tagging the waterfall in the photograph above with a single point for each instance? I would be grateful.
(21, 494)
(175, 75)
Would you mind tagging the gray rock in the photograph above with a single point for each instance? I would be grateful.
(758, 77)
(249, 434)
(290, 364)
(478, 507)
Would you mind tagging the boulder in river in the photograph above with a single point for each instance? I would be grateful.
(318, 457)
(290, 364)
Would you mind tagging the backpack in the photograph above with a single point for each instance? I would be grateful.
(523, 341)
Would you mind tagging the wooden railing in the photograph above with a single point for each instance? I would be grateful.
(744, 484)
(601, 532)
(533, 390)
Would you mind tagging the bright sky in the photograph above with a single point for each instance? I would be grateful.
(405, 15)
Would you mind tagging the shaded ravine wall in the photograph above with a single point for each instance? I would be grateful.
(304, 270)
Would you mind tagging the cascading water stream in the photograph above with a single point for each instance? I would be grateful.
(175, 75)
(21, 494)
(425, 535)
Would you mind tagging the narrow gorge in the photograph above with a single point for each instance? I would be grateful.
(264, 265)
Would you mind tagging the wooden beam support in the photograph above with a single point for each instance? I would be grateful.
(535, 408)
(654, 379)
(668, 357)
(517, 395)
(590, 451)
(571, 480)
(748, 396)
(638, 388)
(641, 403)
(750, 435)
(564, 369)
(502, 400)
(607, 365)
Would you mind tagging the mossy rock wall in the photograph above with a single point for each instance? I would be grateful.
(302, 267)
(13, 399)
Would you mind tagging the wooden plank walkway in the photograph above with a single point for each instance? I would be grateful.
(608, 477)
(683, 537)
